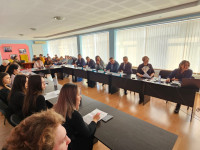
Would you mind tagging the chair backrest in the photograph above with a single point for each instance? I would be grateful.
(15, 119)
(134, 71)
(164, 73)
(3, 107)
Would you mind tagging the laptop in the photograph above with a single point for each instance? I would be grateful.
(190, 82)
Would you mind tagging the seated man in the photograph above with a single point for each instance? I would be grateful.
(90, 63)
(112, 66)
(42, 58)
(4, 66)
(42, 130)
(34, 58)
(80, 62)
(126, 66)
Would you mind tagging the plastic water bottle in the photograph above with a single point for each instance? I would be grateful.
(159, 78)
(55, 83)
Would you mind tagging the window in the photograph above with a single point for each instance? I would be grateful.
(95, 44)
(62, 47)
(165, 44)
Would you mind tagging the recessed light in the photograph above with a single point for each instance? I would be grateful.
(21, 34)
(59, 18)
(33, 29)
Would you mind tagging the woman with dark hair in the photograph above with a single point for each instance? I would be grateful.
(13, 70)
(16, 60)
(17, 93)
(178, 74)
(81, 135)
(4, 89)
(99, 63)
(38, 63)
(48, 64)
(34, 101)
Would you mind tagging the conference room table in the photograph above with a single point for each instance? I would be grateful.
(123, 131)
(146, 87)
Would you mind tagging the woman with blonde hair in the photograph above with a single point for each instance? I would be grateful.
(41, 131)
(178, 74)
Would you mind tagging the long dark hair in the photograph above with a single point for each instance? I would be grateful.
(2, 75)
(33, 91)
(18, 85)
(11, 68)
(67, 100)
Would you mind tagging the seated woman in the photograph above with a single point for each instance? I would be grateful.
(17, 94)
(41, 131)
(68, 105)
(34, 101)
(99, 63)
(4, 89)
(16, 60)
(145, 68)
(13, 70)
(178, 74)
(48, 64)
(38, 64)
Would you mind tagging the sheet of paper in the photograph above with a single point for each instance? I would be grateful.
(52, 94)
(89, 117)
(146, 76)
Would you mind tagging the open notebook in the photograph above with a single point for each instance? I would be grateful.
(52, 94)
(89, 117)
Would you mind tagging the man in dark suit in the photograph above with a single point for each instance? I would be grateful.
(126, 66)
(90, 63)
(80, 62)
(112, 65)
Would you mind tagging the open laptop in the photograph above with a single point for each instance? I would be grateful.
(190, 82)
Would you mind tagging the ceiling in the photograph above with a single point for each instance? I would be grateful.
(80, 16)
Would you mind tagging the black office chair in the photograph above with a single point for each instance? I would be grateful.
(134, 71)
(164, 73)
(15, 120)
(3, 110)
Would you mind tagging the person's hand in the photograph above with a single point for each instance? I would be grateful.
(174, 79)
(96, 117)
(168, 80)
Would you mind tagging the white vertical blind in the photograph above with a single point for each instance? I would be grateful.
(62, 47)
(165, 44)
(96, 44)
(130, 43)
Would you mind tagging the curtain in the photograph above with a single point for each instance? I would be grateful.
(165, 44)
(95, 44)
(130, 43)
(62, 47)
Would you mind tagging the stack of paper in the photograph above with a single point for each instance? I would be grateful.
(52, 94)
(89, 117)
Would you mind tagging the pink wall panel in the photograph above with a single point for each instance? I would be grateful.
(15, 50)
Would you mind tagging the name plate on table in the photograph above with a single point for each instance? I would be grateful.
(100, 71)
(80, 68)
(118, 74)
(89, 69)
